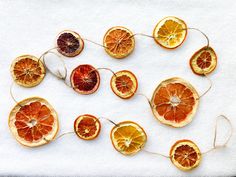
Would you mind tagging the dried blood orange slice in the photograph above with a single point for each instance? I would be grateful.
(33, 122)
(128, 137)
(175, 102)
(124, 84)
(204, 61)
(27, 70)
(185, 155)
(170, 32)
(119, 42)
(87, 127)
(69, 43)
(85, 79)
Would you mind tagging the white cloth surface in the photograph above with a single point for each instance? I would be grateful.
(31, 27)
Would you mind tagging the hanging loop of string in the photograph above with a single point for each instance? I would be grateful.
(208, 89)
(12, 95)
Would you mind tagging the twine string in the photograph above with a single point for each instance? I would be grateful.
(156, 153)
(94, 42)
(109, 120)
(12, 95)
(208, 89)
(107, 69)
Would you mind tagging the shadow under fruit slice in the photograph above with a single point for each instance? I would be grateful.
(175, 102)
(170, 32)
(27, 71)
(87, 127)
(119, 42)
(203, 61)
(69, 43)
(124, 84)
(33, 122)
(185, 155)
(85, 79)
(128, 137)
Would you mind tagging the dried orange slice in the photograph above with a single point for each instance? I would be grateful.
(69, 43)
(128, 137)
(124, 84)
(204, 61)
(185, 155)
(119, 42)
(85, 79)
(175, 102)
(170, 32)
(27, 70)
(33, 122)
(87, 127)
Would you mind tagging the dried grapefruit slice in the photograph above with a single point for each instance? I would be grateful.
(85, 79)
(33, 122)
(204, 61)
(27, 70)
(170, 32)
(128, 137)
(124, 84)
(175, 102)
(69, 43)
(87, 127)
(185, 155)
(119, 42)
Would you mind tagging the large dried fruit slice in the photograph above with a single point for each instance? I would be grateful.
(170, 32)
(27, 70)
(69, 43)
(204, 61)
(119, 42)
(128, 137)
(33, 122)
(175, 102)
(124, 84)
(185, 155)
(87, 127)
(85, 79)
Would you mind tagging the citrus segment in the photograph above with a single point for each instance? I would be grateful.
(119, 42)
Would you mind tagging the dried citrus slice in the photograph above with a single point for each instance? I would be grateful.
(204, 61)
(85, 79)
(185, 155)
(170, 32)
(69, 43)
(124, 84)
(33, 122)
(128, 137)
(175, 102)
(119, 42)
(87, 127)
(27, 70)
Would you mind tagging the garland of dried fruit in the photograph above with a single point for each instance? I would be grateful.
(34, 122)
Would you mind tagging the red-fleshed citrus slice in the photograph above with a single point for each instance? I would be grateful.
(87, 127)
(119, 42)
(124, 84)
(33, 122)
(175, 102)
(185, 155)
(170, 32)
(69, 43)
(128, 137)
(204, 61)
(27, 70)
(85, 79)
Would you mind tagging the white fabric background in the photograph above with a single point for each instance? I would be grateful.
(31, 27)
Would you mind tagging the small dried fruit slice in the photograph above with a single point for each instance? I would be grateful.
(85, 79)
(175, 102)
(128, 137)
(69, 43)
(204, 61)
(119, 42)
(33, 122)
(124, 84)
(87, 127)
(170, 32)
(27, 70)
(185, 155)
